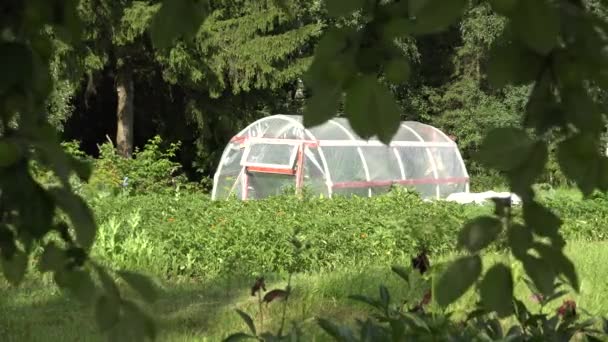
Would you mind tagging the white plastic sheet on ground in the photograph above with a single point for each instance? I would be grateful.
(481, 197)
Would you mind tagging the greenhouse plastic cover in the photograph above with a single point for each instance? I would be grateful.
(330, 159)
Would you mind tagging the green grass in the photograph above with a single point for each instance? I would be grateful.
(200, 310)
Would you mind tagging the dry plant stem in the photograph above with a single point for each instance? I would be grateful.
(285, 305)
(261, 310)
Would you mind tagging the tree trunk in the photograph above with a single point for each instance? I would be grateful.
(124, 112)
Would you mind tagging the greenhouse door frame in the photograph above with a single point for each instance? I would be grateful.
(296, 170)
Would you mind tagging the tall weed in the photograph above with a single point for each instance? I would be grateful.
(193, 236)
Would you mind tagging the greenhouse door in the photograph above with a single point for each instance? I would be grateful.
(270, 167)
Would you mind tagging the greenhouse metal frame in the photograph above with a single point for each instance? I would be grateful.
(278, 150)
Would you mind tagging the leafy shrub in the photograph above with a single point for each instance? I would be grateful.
(485, 180)
(394, 321)
(150, 169)
(49, 178)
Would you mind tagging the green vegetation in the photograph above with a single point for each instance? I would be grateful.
(206, 255)
(200, 238)
(531, 75)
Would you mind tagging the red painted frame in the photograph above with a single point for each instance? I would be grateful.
(276, 170)
(374, 184)
(298, 172)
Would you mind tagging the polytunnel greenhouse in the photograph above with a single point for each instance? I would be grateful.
(277, 152)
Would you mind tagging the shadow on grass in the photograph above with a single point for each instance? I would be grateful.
(195, 310)
(205, 310)
(39, 312)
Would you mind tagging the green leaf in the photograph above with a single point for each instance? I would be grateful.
(496, 290)
(106, 312)
(140, 283)
(248, 320)
(7, 242)
(334, 60)
(416, 321)
(402, 272)
(108, 283)
(360, 105)
(80, 215)
(68, 26)
(541, 219)
(398, 327)
(396, 28)
(537, 24)
(139, 324)
(580, 161)
(239, 337)
(321, 107)
(505, 148)
(397, 70)
(478, 233)
(283, 5)
(38, 211)
(9, 153)
(522, 178)
(554, 296)
(53, 258)
(433, 16)
(456, 279)
(521, 311)
(543, 111)
(512, 63)
(560, 262)
(82, 168)
(414, 6)
(332, 44)
(16, 66)
(570, 71)
(503, 7)
(78, 282)
(337, 332)
(592, 338)
(326, 75)
(367, 300)
(50, 152)
(14, 268)
(385, 297)
(581, 110)
(338, 8)
(541, 273)
(371, 109)
(520, 240)
(177, 19)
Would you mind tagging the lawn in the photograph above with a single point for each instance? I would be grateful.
(199, 310)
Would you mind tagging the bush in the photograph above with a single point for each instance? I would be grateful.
(486, 180)
(47, 178)
(150, 170)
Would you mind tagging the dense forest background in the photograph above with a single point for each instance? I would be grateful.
(247, 61)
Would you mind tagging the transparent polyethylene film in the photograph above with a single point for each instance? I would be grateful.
(277, 153)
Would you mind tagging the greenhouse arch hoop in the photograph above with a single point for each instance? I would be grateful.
(331, 159)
